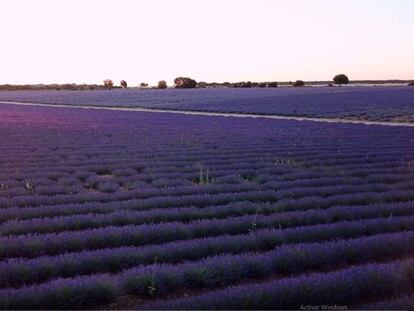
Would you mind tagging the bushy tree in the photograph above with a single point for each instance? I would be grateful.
(108, 84)
(143, 84)
(202, 84)
(70, 86)
(298, 83)
(272, 84)
(124, 84)
(341, 79)
(162, 84)
(242, 84)
(185, 83)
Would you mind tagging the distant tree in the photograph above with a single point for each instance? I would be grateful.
(298, 83)
(69, 86)
(262, 84)
(143, 84)
(227, 84)
(246, 84)
(272, 84)
(255, 84)
(162, 84)
(108, 84)
(184, 83)
(341, 79)
(411, 84)
(124, 84)
(202, 84)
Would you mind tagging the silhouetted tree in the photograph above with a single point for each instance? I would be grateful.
(108, 84)
(202, 84)
(184, 83)
(262, 84)
(411, 83)
(143, 84)
(162, 84)
(341, 79)
(124, 84)
(69, 86)
(272, 84)
(298, 83)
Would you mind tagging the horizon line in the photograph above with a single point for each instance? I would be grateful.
(396, 80)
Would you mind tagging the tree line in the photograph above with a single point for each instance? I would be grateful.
(187, 83)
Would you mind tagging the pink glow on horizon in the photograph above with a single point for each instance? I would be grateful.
(78, 41)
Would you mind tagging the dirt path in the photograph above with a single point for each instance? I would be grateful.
(218, 114)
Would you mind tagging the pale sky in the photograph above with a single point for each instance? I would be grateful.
(87, 41)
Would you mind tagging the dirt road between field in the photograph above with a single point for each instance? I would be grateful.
(217, 114)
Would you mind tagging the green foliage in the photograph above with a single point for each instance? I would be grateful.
(108, 84)
(299, 83)
(272, 84)
(184, 83)
(341, 79)
(162, 84)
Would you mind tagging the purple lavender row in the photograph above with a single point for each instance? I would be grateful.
(399, 302)
(143, 118)
(218, 161)
(20, 271)
(359, 160)
(37, 199)
(345, 287)
(157, 280)
(109, 237)
(122, 217)
(298, 192)
(248, 162)
(205, 201)
(364, 102)
(211, 188)
(253, 153)
(70, 183)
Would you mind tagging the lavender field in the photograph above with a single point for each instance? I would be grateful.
(383, 103)
(136, 210)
